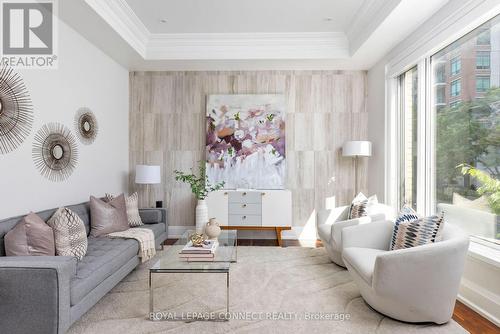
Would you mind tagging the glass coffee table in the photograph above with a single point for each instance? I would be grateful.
(170, 262)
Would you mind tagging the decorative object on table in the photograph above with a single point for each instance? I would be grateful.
(356, 149)
(212, 230)
(204, 251)
(16, 110)
(490, 187)
(360, 205)
(145, 174)
(245, 141)
(108, 217)
(69, 233)
(197, 239)
(132, 206)
(200, 187)
(55, 152)
(86, 125)
(30, 237)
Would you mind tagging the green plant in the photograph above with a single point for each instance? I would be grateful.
(490, 186)
(200, 186)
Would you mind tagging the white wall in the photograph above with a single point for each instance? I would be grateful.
(85, 77)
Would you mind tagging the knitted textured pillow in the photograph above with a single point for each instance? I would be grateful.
(417, 232)
(69, 233)
(132, 205)
(406, 214)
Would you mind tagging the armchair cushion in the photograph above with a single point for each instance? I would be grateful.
(362, 260)
(360, 204)
(406, 214)
(417, 232)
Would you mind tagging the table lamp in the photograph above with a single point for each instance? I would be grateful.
(147, 175)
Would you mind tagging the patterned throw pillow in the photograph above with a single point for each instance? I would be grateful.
(132, 204)
(418, 232)
(407, 214)
(69, 233)
(360, 204)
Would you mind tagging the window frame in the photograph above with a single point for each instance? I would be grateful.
(481, 54)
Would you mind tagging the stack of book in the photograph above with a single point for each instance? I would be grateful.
(206, 252)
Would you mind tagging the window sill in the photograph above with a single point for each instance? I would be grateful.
(484, 253)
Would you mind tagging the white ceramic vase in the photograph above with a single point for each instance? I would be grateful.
(201, 215)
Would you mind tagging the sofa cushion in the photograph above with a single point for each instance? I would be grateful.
(108, 217)
(69, 233)
(31, 236)
(104, 257)
(362, 260)
(132, 205)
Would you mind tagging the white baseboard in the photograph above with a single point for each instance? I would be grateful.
(478, 298)
(293, 234)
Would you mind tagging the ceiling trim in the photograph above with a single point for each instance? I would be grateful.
(318, 45)
(314, 45)
(369, 16)
(119, 15)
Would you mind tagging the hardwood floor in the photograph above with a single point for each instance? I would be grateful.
(472, 321)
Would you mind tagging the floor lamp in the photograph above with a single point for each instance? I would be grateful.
(147, 175)
(356, 149)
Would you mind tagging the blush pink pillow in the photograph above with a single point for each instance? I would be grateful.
(30, 237)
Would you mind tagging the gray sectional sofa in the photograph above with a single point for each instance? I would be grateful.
(46, 294)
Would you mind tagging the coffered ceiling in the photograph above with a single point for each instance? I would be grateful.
(242, 34)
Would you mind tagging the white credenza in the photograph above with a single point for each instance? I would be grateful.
(252, 209)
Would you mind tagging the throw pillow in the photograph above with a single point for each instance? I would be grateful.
(107, 217)
(407, 214)
(360, 204)
(69, 233)
(132, 204)
(480, 203)
(418, 232)
(31, 236)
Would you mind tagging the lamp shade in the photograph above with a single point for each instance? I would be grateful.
(357, 148)
(145, 174)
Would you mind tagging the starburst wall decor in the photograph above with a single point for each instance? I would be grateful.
(16, 110)
(55, 153)
(86, 125)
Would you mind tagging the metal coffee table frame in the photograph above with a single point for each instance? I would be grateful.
(226, 254)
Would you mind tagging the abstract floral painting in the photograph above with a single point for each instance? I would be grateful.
(245, 145)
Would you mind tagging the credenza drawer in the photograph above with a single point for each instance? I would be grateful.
(245, 197)
(245, 220)
(245, 209)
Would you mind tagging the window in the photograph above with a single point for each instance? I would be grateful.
(440, 74)
(467, 131)
(455, 88)
(483, 38)
(482, 84)
(440, 95)
(482, 60)
(456, 65)
(408, 101)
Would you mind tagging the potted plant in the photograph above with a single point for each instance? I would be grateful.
(200, 187)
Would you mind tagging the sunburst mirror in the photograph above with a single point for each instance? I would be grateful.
(55, 152)
(86, 125)
(16, 110)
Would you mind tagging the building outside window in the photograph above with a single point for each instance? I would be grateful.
(483, 38)
(482, 84)
(483, 60)
(456, 65)
(455, 88)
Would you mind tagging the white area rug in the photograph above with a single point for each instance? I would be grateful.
(265, 279)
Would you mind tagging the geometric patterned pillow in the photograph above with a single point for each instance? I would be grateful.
(360, 204)
(406, 214)
(417, 232)
(132, 206)
(69, 233)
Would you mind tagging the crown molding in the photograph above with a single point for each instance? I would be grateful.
(369, 16)
(320, 45)
(119, 15)
(317, 45)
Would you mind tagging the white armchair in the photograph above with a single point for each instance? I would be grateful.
(418, 284)
(329, 224)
